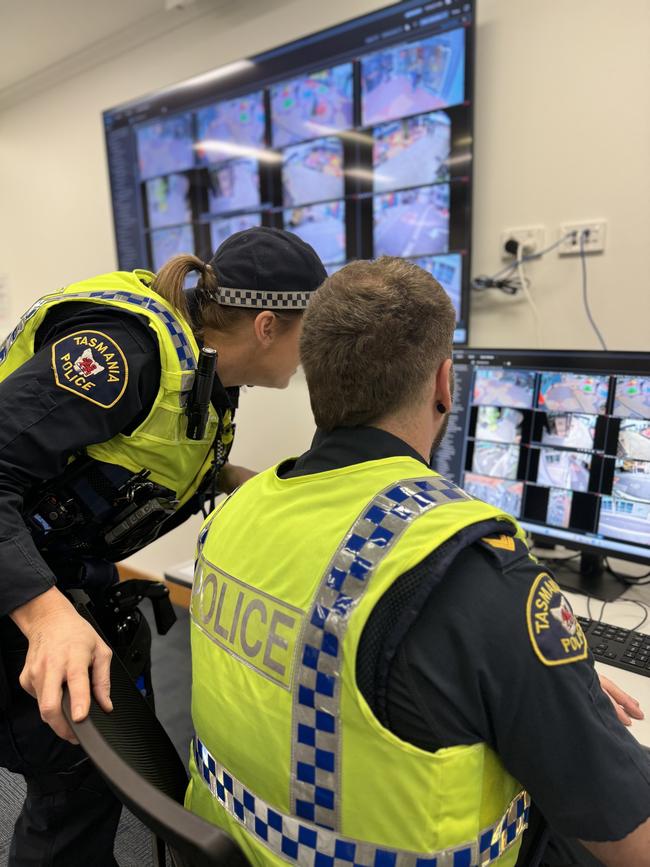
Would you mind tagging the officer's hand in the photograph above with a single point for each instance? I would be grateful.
(231, 476)
(626, 707)
(62, 648)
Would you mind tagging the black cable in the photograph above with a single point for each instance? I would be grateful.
(628, 579)
(482, 284)
(585, 300)
(631, 580)
(641, 605)
(506, 284)
(549, 562)
(602, 611)
(644, 608)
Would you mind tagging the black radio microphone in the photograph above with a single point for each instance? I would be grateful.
(198, 405)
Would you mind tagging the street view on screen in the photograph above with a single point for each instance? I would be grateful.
(576, 446)
(413, 78)
(357, 138)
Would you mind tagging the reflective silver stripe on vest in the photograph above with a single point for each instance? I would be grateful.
(171, 323)
(309, 845)
(315, 744)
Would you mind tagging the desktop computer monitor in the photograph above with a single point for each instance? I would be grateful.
(560, 440)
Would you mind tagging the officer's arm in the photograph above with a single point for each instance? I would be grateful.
(581, 765)
(232, 476)
(44, 424)
(633, 849)
(526, 685)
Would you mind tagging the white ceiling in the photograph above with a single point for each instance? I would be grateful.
(42, 42)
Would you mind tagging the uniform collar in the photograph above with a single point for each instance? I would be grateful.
(222, 397)
(345, 446)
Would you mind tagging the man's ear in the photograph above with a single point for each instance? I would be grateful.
(264, 327)
(443, 394)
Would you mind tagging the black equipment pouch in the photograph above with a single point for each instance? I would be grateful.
(97, 509)
(123, 626)
(123, 598)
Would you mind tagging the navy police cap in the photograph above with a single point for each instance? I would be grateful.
(263, 267)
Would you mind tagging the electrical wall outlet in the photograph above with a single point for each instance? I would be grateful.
(532, 238)
(594, 237)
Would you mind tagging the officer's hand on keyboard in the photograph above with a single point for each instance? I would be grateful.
(63, 647)
(626, 707)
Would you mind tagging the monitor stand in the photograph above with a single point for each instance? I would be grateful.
(593, 579)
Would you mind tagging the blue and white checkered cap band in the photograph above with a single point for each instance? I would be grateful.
(309, 845)
(315, 720)
(271, 299)
(171, 323)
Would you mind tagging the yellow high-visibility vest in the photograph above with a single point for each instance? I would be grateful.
(288, 757)
(159, 444)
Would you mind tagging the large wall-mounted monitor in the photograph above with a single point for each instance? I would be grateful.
(358, 138)
(560, 440)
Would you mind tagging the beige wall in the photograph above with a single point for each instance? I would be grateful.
(562, 133)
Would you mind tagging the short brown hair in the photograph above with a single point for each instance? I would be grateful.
(374, 334)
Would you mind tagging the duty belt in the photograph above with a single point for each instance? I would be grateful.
(308, 845)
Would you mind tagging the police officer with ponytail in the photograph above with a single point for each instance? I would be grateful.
(117, 426)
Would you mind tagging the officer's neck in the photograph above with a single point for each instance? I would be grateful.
(416, 429)
(233, 356)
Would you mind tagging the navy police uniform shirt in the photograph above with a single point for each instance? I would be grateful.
(95, 373)
(477, 665)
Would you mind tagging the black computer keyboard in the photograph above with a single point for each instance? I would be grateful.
(623, 648)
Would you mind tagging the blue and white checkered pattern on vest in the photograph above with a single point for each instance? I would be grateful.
(181, 344)
(310, 845)
(315, 723)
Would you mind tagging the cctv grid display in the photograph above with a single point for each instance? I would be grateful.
(358, 139)
(560, 441)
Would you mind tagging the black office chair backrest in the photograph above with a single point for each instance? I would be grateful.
(134, 754)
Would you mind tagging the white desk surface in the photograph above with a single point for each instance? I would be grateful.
(621, 613)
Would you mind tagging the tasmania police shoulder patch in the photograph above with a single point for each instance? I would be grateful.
(91, 365)
(555, 634)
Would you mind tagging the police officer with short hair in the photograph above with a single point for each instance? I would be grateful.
(369, 686)
(98, 384)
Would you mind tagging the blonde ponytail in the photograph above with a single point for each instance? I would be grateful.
(170, 281)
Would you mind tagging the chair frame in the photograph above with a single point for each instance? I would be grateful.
(192, 841)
